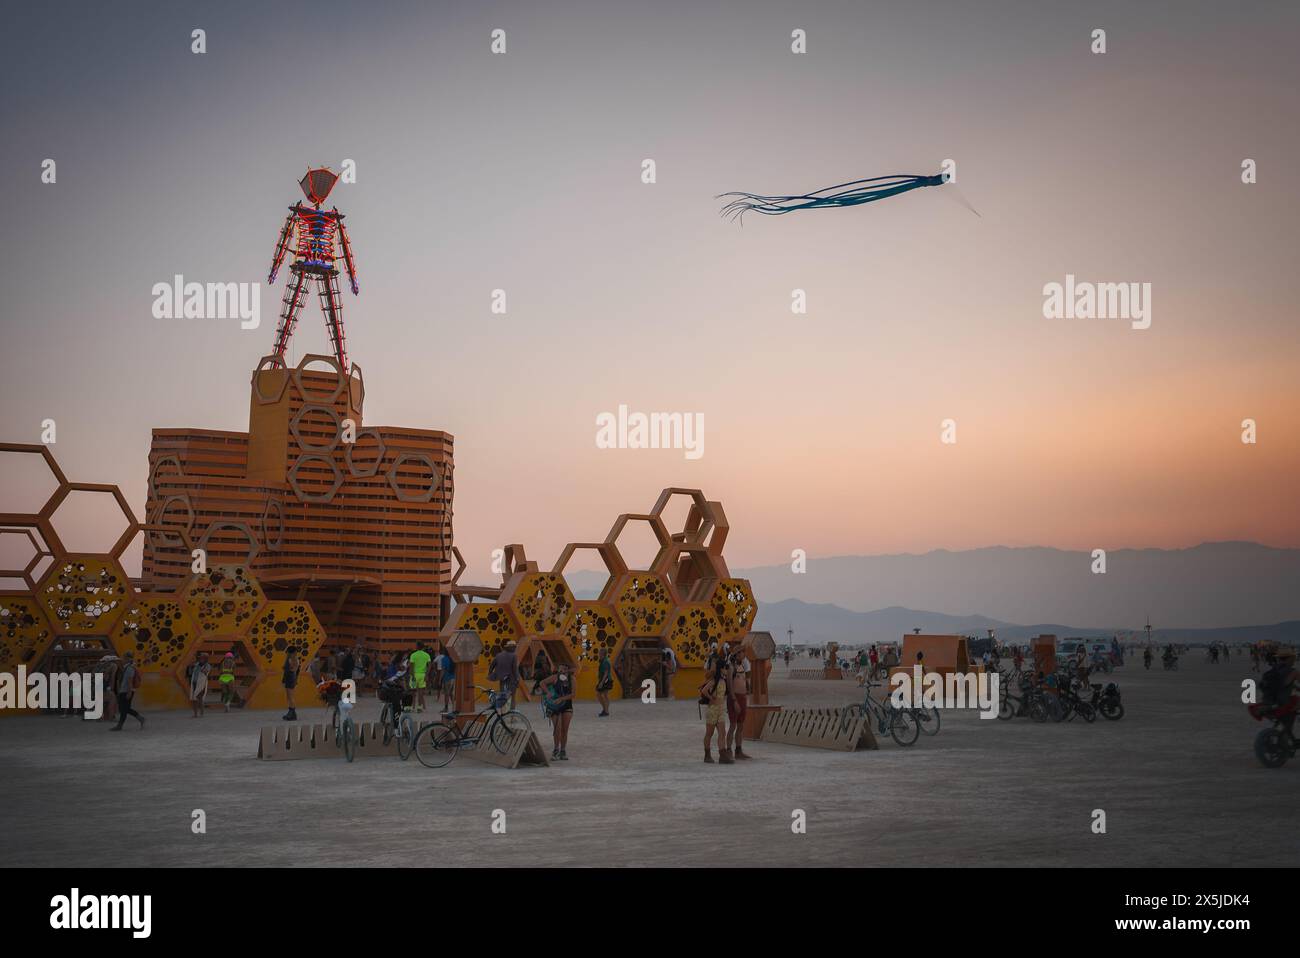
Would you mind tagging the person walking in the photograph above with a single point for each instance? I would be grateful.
(128, 680)
(227, 680)
(289, 677)
(420, 660)
(713, 695)
(199, 672)
(604, 682)
(557, 703)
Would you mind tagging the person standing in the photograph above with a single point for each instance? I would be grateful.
(420, 660)
(504, 669)
(199, 673)
(289, 677)
(713, 695)
(557, 701)
(738, 705)
(128, 680)
(604, 682)
(448, 678)
(541, 670)
(347, 665)
(669, 670)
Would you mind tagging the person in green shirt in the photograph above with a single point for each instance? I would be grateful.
(604, 682)
(419, 662)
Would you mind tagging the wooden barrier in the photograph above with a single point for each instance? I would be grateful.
(282, 743)
(816, 674)
(819, 728)
(524, 749)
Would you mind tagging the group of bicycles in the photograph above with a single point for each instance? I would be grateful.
(436, 743)
(1059, 699)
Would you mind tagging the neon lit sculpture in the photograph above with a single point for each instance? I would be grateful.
(314, 258)
(854, 193)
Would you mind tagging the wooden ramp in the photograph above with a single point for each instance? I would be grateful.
(284, 743)
(818, 728)
(524, 749)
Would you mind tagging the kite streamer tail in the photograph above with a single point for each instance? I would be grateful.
(853, 193)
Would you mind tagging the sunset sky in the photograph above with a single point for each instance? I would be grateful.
(522, 172)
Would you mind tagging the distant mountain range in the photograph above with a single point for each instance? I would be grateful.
(1224, 586)
(816, 624)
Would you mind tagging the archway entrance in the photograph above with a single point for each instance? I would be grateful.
(642, 659)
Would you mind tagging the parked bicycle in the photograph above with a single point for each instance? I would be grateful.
(395, 718)
(902, 725)
(437, 743)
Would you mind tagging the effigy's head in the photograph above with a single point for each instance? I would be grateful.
(316, 185)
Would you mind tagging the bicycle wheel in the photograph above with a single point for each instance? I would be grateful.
(405, 737)
(386, 722)
(349, 738)
(903, 727)
(1112, 709)
(334, 721)
(504, 727)
(928, 720)
(1007, 709)
(848, 716)
(1038, 710)
(1086, 711)
(436, 744)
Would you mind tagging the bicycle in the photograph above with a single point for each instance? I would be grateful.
(395, 717)
(901, 725)
(437, 743)
(345, 730)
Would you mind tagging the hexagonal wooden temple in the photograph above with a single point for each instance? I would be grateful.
(353, 519)
(319, 531)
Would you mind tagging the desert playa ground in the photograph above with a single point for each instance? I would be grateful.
(1177, 779)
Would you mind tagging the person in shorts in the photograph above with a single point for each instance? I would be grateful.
(713, 696)
(289, 677)
(737, 704)
(557, 704)
(420, 661)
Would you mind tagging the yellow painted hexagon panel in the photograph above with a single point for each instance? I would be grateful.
(84, 594)
(494, 624)
(541, 602)
(158, 630)
(694, 629)
(281, 625)
(224, 600)
(24, 632)
(593, 627)
(643, 602)
(733, 604)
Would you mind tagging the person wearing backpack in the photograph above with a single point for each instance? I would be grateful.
(128, 680)
(557, 705)
(713, 695)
